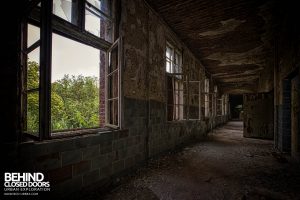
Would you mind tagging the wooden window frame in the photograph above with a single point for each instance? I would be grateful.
(206, 98)
(107, 75)
(49, 23)
(178, 80)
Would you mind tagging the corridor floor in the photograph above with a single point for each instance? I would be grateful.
(225, 166)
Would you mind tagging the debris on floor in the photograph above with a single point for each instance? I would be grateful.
(226, 166)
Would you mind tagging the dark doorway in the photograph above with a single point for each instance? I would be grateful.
(236, 106)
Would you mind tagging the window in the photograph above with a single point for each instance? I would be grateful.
(77, 86)
(175, 84)
(31, 46)
(206, 97)
(226, 106)
(220, 106)
(215, 100)
(112, 79)
(98, 19)
(67, 10)
(97, 14)
(173, 60)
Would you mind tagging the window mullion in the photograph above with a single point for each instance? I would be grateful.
(81, 14)
(23, 75)
(32, 47)
(45, 69)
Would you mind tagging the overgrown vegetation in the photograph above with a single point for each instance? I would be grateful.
(74, 101)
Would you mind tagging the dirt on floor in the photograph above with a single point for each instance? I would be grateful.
(225, 166)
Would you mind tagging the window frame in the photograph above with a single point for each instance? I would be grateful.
(177, 77)
(207, 112)
(177, 95)
(25, 51)
(49, 23)
(107, 123)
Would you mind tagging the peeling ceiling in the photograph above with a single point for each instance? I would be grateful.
(232, 38)
(225, 27)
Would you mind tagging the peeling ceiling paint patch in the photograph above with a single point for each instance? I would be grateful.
(253, 56)
(225, 27)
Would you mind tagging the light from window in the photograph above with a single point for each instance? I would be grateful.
(33, 34)
(175, 100)
(173, 60)
(66, 9)
(102, 5)
(175, 84)
(31, 96)
(98, 22)
(75, 85)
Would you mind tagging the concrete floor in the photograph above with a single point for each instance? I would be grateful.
(225, 166)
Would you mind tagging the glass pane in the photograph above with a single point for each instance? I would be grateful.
(33, 69)
(103, 5)
(33, 113)
(33, 34)
(169, 53)
(66, 9)
(75, 85)
(97, 24)
(168, 66)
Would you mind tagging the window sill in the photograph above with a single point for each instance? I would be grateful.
(73, 133)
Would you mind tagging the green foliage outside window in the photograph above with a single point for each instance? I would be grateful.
(74, 101)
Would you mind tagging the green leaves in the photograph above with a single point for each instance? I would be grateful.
(74, 101)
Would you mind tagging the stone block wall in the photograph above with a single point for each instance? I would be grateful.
(287, 66)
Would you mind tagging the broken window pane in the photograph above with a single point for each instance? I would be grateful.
(32, 118)
(66, 9)
(97, 24)
(103, 5)
(75, 85)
